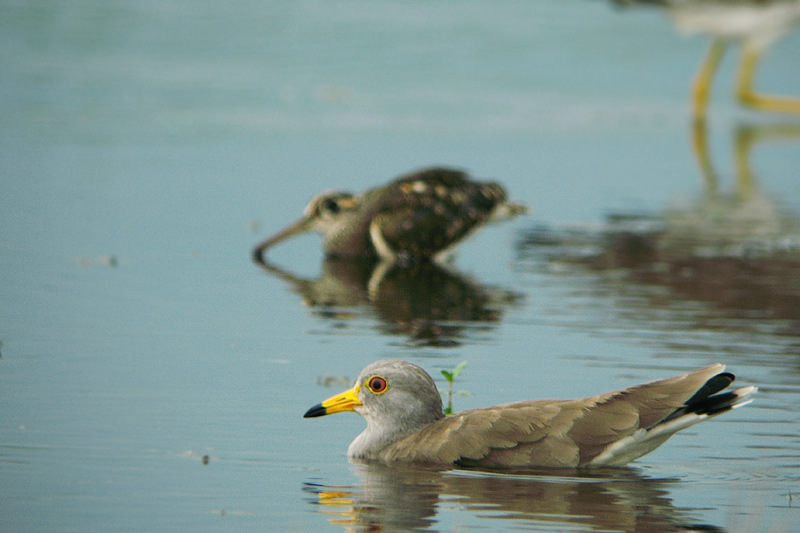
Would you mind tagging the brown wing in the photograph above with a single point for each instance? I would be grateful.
(551, 433)
(427, 212)
(506, 433)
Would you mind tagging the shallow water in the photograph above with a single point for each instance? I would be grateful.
(154, 378)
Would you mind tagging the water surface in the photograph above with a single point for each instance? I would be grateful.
(154, 378)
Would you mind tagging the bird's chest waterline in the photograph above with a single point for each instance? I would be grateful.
(348, 238)
(375, 439)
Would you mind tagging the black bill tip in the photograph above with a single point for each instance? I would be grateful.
(316, 411)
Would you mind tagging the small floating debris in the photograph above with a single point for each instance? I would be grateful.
(328, 380)
(101, 260)
(253, 226)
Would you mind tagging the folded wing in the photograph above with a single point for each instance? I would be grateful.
(608, 429)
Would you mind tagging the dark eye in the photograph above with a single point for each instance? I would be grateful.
(377, 384)
(330, 205)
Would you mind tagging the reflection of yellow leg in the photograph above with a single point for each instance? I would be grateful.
(700, 148)
(702, 82)
(749, 97)
(746, 138)
(743, 144)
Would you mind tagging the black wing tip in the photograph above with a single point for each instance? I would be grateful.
(711, 400)
(714, 385)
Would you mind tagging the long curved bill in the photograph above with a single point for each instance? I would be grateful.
(345, 401)
(298, 226)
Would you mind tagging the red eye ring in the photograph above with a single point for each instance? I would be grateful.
(377, 384)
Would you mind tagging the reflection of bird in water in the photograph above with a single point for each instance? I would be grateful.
(738, 223)
(736, 249)
(755, 24)
(431, 304)
(405, 422)
(408, 498)
(423, 215)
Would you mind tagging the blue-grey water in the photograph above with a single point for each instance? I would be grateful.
(153, 378)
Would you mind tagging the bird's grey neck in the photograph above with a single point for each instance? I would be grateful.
(373, 440)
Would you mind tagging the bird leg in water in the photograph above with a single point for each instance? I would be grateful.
(751, 55)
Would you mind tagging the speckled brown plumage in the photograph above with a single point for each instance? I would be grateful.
(424, 214)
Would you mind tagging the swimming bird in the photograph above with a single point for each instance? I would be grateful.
(755, 24)
(422, 215)
(405, 422)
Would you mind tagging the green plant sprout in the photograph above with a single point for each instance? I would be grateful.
(450, 377)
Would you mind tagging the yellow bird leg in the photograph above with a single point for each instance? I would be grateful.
(704, 77)
(751, 55)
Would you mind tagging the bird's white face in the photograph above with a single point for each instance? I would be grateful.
(369, 392)
(385, 398)
(395, 398)
(326, 212)
(388, 393)
(398, 394)
(371, 397)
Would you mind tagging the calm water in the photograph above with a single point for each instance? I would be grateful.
(145, 148)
